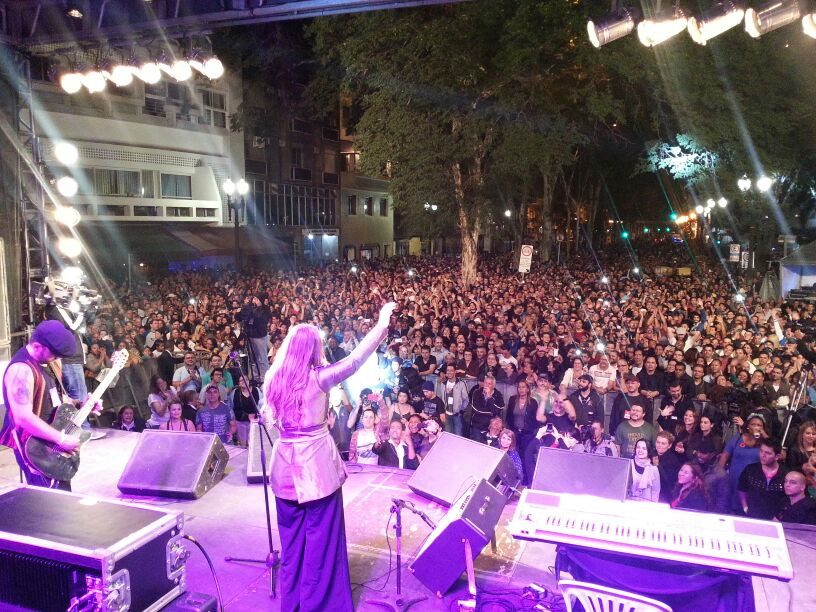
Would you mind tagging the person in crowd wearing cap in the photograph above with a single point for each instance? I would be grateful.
(622, 407)
(431, 406)
(714, 476)
(586, 401)
(799, 507)
(255, 317)
(32, 391)
(598, 442)
(216, 417)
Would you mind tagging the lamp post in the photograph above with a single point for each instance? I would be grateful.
(241, 187)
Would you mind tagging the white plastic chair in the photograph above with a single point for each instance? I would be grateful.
(597, 598)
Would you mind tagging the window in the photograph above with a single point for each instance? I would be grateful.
(147, 184)
(383, 207)
(299, 125)
(330, 178)
(300, 174)
(145, 211)
(331, 134)
(154, 100)
(112, 210)
(352, 205)
(176, 186)
(179, 211)
(368, 207)
(205, 212)
(351, 162)
(214, 109)
(297, 157)
(117, 182)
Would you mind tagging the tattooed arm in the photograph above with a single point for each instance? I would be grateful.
(19, 382)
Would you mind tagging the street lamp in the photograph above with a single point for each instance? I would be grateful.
(241, 187)
(744, 183)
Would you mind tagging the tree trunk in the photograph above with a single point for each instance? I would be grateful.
(545, 244)
(468, 230)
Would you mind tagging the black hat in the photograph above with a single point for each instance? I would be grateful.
(428, 386)
(54, 336)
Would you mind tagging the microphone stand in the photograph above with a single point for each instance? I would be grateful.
(396, 508)
(272, 560)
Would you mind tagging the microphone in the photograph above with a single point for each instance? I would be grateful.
(409, 505)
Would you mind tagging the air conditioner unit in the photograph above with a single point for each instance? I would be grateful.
(259, 142)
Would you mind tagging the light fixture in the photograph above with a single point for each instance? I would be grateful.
(67, 186)
(744, 183)
(242, 187)
(722, 202)
(508, 213)
(66, 153)
(692, 215)
(624, 235)
(121, 75)
(72, 275)
(71, 82)
(181, 70)
(94, 80)
(652, 32)
(310, 236)
(434, 207)
(354, 269)
(699, 209)
(192, 301)
(70, 247)
(616, 25)
(636, 270)
(150, 73)
(229, 187)
(764, 183)
(809, 25)
(713, 22)
(73, 10)
(739, 298)
(770, 16)
(67, 216)
(604, 279)
(213, 68)
(600, 347)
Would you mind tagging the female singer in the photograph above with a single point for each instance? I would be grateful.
(307, 473)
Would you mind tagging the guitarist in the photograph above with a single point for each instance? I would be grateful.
(31, 390)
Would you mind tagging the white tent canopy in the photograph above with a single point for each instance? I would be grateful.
(798, 270)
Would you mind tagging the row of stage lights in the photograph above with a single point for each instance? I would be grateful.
(720, 18)
(96, 79)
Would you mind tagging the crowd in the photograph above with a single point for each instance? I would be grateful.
(690, 377)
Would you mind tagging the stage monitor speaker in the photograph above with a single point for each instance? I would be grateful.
(454, 463)
(473, 517)
(563, 471)
(174, 464)
(253, 471)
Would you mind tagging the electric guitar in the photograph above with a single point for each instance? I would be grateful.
(48, 458)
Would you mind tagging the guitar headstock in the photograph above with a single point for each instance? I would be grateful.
(119, 359)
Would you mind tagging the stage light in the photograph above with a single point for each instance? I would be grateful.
(605, 279)
(213, 68)
(181, 70)
(410, 272)
(94, 80)
(310, 236)
(70, 247)
(809, 25)
(645, 230)
(692, 215)
(699, 209)
(192, 301)
(121, 75)
(71, 82)
(652, 32)
(67, 186)
(606, 303)
(66, 153)
(600, 347)
(624, 235)
(636, 270)
(354, 269)
(744, 183)
(508, 213)
(72, 275)
(614, 26)
(242, 187)
(67, 216)
(150, 73)
(228, 187)
(771, 16)
(739, 298)
(673, 216)
(722, 202)
(718, 19)
(73, 10)
(764, 183)
(577, 352)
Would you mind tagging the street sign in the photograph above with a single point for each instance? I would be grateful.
(734, 252)
(744, 260)
(526, 258)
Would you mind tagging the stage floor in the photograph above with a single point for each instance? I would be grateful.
(230, 520)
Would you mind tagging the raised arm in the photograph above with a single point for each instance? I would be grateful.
(330, 375)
